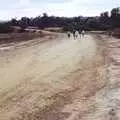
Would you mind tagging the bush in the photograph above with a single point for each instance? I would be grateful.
(5, 28)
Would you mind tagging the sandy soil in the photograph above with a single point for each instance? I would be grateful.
(60, 79)
(107, 105)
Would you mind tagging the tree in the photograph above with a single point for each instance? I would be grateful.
(24, 22)
(14, 22)
(5, 27)
(45, 15)
(104, 18)
(115, 17)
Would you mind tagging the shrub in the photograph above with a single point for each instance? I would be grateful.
(5, 28)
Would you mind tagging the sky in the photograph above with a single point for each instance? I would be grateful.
(67, 8)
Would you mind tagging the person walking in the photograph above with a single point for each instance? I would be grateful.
(80, 33)
(68, 33)
(83, 33)
(74, 34)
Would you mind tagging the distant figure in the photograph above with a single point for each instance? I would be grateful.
(74, 34)
(80, 33)
(83, 33)
(68, 33)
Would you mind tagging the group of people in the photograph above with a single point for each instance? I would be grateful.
(76, 34)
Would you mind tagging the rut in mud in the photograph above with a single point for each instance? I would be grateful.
(53, 80)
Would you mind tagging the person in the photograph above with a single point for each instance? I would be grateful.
(68, 33)
(80, 33)
(74, 34)
(83, 33)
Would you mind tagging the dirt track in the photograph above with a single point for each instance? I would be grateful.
(52, 80)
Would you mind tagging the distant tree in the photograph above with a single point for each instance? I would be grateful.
(24, 22)
(102, 22)
(104, 18)
(45, 15)
(14, 22)
(5, 27)
(115, 17)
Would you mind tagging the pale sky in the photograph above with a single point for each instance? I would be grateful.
(31, 8)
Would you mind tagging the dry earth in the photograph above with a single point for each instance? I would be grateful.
(59, 79)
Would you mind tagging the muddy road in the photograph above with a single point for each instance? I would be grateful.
(58, 79)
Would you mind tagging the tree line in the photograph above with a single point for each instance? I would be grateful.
(105, 21)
